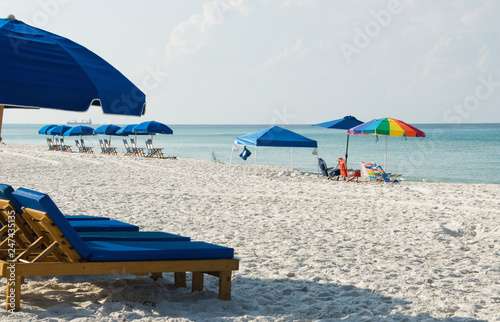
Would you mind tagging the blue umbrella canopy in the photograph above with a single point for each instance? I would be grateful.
(127, 129)
(344, 123)
(41, 69)
(44, 129)
(79, 130)
(44, 70)
(58, 130)
(152, 127)
(108, 129)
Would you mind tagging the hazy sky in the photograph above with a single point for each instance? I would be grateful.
(286, 61)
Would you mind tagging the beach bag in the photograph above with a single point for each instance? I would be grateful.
(245, 154)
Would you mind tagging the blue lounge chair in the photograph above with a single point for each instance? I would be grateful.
(61, 251)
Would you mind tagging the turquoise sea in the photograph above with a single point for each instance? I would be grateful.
(465, 153)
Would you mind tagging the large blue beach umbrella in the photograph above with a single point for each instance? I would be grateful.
(80, 130)
(344, 123)
(45, 128)
(126, 129)
(108, 129)
(58, 130)
(152, 127)
(42, 70)
(129, 130)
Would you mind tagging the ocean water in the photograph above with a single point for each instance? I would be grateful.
(464, 153)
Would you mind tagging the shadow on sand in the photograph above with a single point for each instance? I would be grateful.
(128, 298)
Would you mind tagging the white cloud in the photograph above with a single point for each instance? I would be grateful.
(191, 36)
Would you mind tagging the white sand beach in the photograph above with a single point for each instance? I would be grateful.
(310, 248)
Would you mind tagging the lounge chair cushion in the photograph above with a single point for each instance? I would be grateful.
(6, 194)
(42, 202)
(100, 225)
(107, 251)
(85, 217)
(131, 236)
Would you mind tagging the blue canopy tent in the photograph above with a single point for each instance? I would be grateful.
(44, 70)
(275, 137)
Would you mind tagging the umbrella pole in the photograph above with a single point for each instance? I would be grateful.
(291, 156)
(231, 159)
(385, 164)
(1, 120)
(346, 149)
(255, 158)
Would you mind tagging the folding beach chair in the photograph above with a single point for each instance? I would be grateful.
(137, 151)
(52, 147)
(386, 177)
(109, 148)
(103, 147)
(59, 250)
(64, 147)
(86, 149)
(348, 174)
(327, 172)
(371, 172)
(80, 149)
(152, 151)
(127, 148)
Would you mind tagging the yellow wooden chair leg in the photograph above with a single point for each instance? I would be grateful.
(197, 282)
(225, 285)
(180, 279)
(156, 276)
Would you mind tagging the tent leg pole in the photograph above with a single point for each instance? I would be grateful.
(1, 121)
(255, 158)
(291, 157)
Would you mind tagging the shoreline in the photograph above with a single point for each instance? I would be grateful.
(310, 248)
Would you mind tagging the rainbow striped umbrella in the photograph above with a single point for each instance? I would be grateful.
(388, 127)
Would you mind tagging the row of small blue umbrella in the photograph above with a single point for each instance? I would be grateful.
(145, 128)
